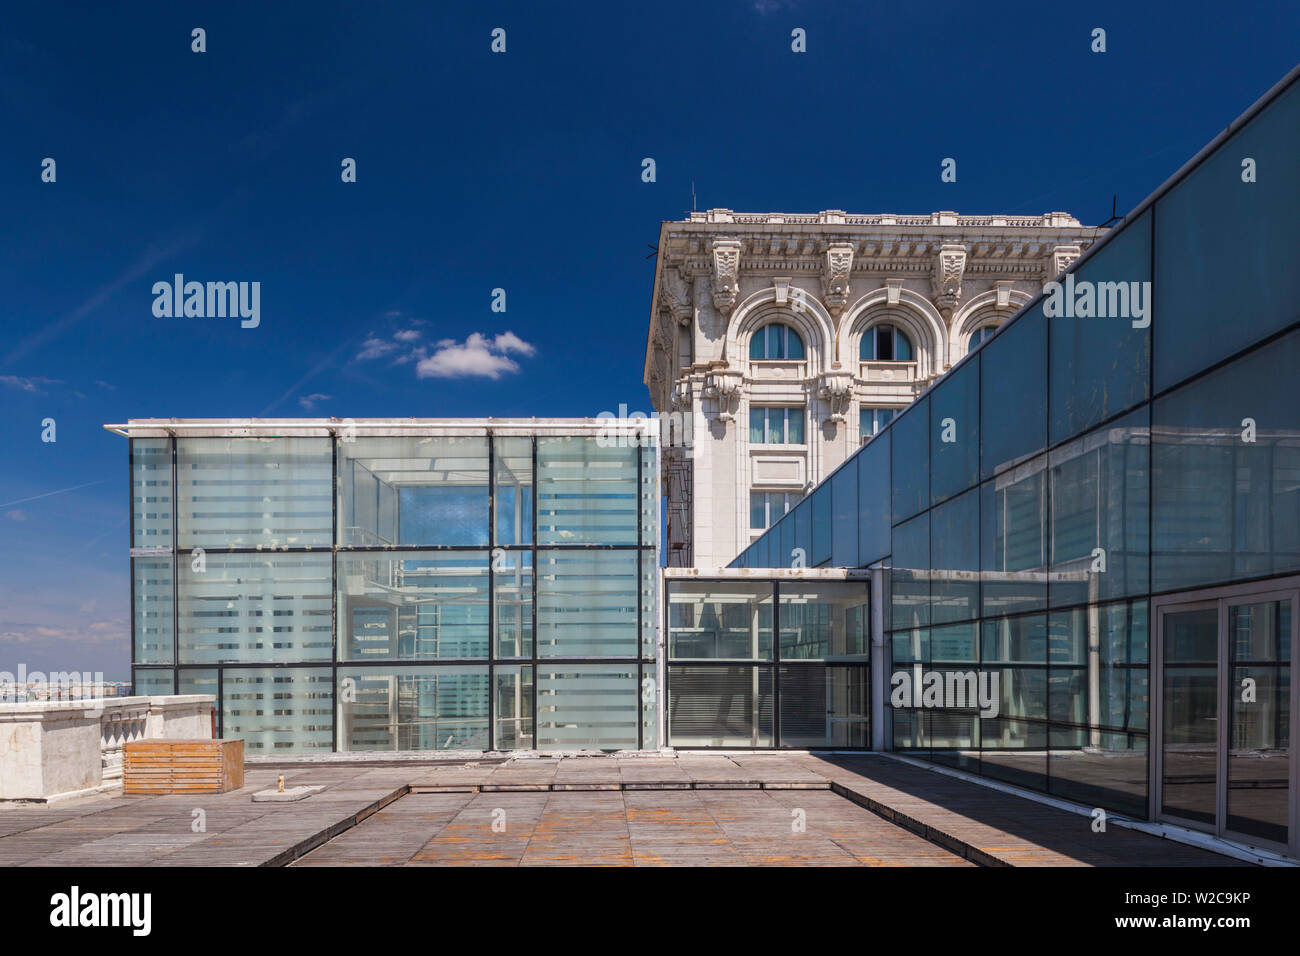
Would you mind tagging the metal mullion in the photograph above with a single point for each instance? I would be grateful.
(776, 665)
(536, 577)
(334, 594)
(176, 570)
(492, 637)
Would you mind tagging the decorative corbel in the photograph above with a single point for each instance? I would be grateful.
(949, 266)
(723, 388)
(726, 274)
(1059, 260)
(836, 390)
(835, 276)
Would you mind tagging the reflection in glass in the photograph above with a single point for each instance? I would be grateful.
(826, 620)
(151, 493)
(1259, 748)
(278, 709)
(720, 620)
(413, 708)
(512, 592)
(1191, 719)
(514, 707)
(413, 605)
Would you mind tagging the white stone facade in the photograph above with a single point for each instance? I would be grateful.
(833, 278)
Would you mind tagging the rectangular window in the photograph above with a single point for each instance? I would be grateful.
(278, 709)
(587, 706)
(716, 620)
(151, 492)
(766, 508)
(587, 603)
(871, 420)
(776, 426)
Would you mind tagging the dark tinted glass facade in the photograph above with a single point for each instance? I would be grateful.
(1097, 515)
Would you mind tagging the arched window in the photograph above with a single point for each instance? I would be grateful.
(886, 343)
(776, 341)
(982, 333)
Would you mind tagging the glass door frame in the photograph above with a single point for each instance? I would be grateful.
(1224, 598)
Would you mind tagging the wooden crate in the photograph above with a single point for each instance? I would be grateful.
(182, 766)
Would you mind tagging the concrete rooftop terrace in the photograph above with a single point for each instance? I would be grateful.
(687, 809)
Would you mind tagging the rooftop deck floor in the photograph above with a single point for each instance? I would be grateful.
(687, 809)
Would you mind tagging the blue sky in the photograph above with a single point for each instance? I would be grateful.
(478, 171)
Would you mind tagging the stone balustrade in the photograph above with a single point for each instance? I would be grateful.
(52, 750)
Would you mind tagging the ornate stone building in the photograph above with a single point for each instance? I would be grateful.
(781, 341)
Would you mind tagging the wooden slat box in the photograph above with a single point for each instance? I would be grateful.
(182, 766)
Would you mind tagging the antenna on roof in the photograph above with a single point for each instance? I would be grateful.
(692, 195)
(1113, 213)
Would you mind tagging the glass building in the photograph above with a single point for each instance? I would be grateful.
(1100, 507)
(409, 585)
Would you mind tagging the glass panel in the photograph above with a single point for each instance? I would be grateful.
(154, 610)
(1191, 719)
(1100, 363)
(148, 682)
(1099, 522)
(849, 706)
(775, 426)
(911, 468)
(902, 347)
(794, 344)
(1014, 751)
(649, 708)
(1014, 376)
(151, 493)
(514, 707)
(413, 708)
(278, 709)
(587, 493)
(413, 491)
(720, 706)
(254, 608)
(413, 605)
(909, 576)
(191, 681)
(821, 526)
(844, 517)
(1099, 769)
(1212, 226)
(512, 592)
(1013, 561)
(587, 604)
(805, 721)
(649, 603)
(955, 559)
(955, 432)
(1226, 473)
(513, 467)
(587, 706)
(795, 417)
(874, 533)
(823, 620)
(757, 425)
(651, 494)
(254, 492)
(786, 542)
(1259, 741)
(719, 620)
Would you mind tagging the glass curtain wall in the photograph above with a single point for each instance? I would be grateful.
(756, 663)
(465, 592)
(1132, 435)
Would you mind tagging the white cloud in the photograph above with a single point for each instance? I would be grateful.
(309, 401)
(477, 356)
(16, 515)
(31, 384)
(374, 347)
(406, 335)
